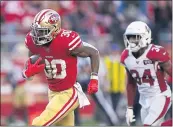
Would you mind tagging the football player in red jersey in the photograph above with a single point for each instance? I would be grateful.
(145, 64)
(60, 49)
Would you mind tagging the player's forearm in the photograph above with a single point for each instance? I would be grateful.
(169, 71)
(95, 60)
(167, 66)
(93, 53)
(94, 57)
(87, 50)
(131, 93)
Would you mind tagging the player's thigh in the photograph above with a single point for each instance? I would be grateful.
(58, 107)
(67, 121)
(144, 113)
(157, 110)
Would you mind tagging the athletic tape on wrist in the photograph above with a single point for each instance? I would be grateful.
(94, 77)
(94, 73)
(129, 107)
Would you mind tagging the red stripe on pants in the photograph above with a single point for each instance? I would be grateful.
(165, 108)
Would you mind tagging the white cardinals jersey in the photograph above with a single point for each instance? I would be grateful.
(146, 71)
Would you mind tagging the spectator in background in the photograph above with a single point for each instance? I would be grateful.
(16, 80)
(163, 14)
(17, 13)
(78, 17)
(6, 91)
(162, 18)
(66, 23)
(19, 113)
(30, 9)
(12, 12)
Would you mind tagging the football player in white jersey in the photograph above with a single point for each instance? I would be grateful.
(145, 64)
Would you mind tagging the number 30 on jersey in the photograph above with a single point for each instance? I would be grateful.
(51, 69)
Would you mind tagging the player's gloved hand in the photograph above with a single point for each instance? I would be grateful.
(130, 116)
(93, 84)
(32, 69)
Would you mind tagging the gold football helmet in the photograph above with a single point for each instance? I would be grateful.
(45, 27)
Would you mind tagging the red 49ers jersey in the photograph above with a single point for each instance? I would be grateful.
(58, 54)
(146, 70)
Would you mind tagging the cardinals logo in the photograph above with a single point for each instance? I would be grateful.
(53, 19)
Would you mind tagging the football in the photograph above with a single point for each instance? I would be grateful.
(34, 58)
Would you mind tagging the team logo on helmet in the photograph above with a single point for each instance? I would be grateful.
(53, 19)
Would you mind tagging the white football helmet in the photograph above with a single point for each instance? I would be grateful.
(137, 36)
(45, 27)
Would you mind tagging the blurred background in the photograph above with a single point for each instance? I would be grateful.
(100, 23)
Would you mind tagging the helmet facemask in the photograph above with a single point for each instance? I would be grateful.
(133, 42)
(41, 36)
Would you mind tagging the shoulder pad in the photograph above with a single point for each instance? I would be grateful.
(73, 39)
(158, 53)
(124, 55)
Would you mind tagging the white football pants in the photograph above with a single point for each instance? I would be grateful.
(154, 114)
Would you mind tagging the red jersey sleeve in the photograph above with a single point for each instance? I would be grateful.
(158, 53)
(124, 55)
(74, 41)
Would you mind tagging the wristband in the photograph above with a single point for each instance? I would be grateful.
(94, 77)
(129, 107)
(94, 73)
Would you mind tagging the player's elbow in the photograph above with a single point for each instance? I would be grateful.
(95, 52)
